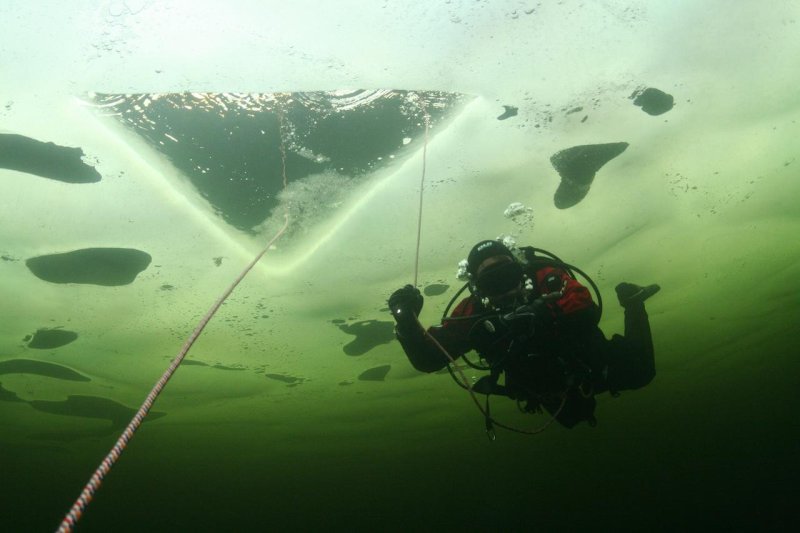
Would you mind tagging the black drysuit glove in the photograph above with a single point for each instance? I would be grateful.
(405, 304)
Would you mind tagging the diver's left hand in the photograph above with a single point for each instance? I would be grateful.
(405, 301)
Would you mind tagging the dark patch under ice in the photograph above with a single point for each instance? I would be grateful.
(577, 167)
(368, 333)
(435, 289)
(92, 407)
(224, 367)
(217, 366)
(508, 112)
(40, 368)
(93, 266)
(285, 378)
(45, 159)
(193, 362)
(375, 374)
(652, 101)
(8, 396)
(50, 338)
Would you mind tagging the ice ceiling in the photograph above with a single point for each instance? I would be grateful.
(153, 129)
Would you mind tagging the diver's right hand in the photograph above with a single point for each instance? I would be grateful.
(405, 304)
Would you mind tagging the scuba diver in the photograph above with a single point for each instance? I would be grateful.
(531, 322)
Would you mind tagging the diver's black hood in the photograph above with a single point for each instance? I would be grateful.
(483, 251)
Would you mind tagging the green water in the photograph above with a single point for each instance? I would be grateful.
(133, 191)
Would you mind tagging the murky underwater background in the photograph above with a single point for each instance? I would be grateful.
(124, 214)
